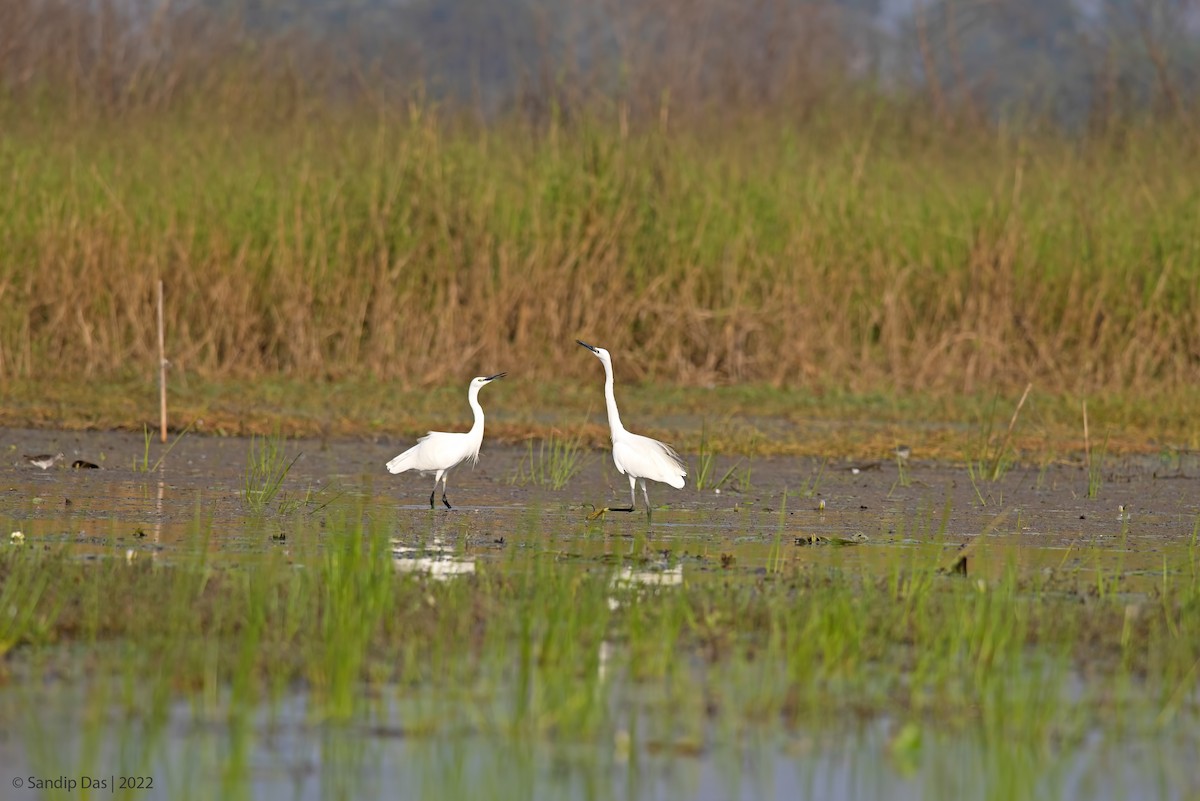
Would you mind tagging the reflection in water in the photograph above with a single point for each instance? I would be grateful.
(437, 559)
(625, 581)
(628, 580)
(666, 577)
(294, 757)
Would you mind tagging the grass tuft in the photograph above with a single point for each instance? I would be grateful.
(554, 463)
(266, 469)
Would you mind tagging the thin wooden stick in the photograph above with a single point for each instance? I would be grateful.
(162, 365)
(1087, 443)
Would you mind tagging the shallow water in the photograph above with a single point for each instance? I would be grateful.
(794, 510)
(771, 514)
(191, 756)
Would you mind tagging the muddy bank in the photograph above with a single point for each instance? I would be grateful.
(1139, 509)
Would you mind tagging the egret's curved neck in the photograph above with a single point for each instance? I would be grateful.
(614, 417)
(473, 399)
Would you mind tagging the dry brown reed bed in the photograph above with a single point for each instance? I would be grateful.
(860, 247)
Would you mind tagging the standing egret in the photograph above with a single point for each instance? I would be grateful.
(636, 456)
(439, 452)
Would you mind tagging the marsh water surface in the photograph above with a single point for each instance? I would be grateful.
(695, 723)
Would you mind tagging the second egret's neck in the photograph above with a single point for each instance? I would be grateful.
(614, 417)
(473, 399)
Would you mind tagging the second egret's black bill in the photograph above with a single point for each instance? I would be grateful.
(586, 345)
(497, 375)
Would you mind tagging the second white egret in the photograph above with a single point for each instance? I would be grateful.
(636, 456)
(439, 452)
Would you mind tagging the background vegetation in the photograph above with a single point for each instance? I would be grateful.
(851, 204)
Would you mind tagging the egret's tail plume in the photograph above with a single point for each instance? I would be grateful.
(402, 462)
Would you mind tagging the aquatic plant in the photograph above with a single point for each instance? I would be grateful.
(144, 465)
(555, 462)
(266, 469)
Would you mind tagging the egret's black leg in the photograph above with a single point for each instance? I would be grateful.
(448, 506)
(600, 512)
(431, 496)
(630, 508)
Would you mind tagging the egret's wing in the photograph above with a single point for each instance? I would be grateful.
(435, 451)
(448, 450)
(644, 457)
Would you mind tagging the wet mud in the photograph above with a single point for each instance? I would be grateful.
(1131, 514)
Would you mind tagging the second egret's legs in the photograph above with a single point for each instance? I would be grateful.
(645, 495)
(445, 477)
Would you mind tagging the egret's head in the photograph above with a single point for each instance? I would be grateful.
(601, 353)
(480, 381)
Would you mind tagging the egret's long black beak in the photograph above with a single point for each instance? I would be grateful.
(586, 345)
(497, 375)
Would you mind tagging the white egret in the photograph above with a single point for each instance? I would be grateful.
(636, 456)
(439, 452)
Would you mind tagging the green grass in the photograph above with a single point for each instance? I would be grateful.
(1016, 667)
(705, 476)
(553, 464)
(990, 457)
(144, 466)
(267, 468)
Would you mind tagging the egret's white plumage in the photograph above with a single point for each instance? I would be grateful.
(439, 452)
(636, 456)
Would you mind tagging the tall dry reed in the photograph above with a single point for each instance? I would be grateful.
(854, 244)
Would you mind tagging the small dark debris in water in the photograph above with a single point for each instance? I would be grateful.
(66, 501)
(80, 464)
(1083, 517)
(957, 565)
(141, 535)
(280, 537)
(689, 748)
(854, 538)
(728, 560)
(387, 732)
(498, 541)
(863, 506)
